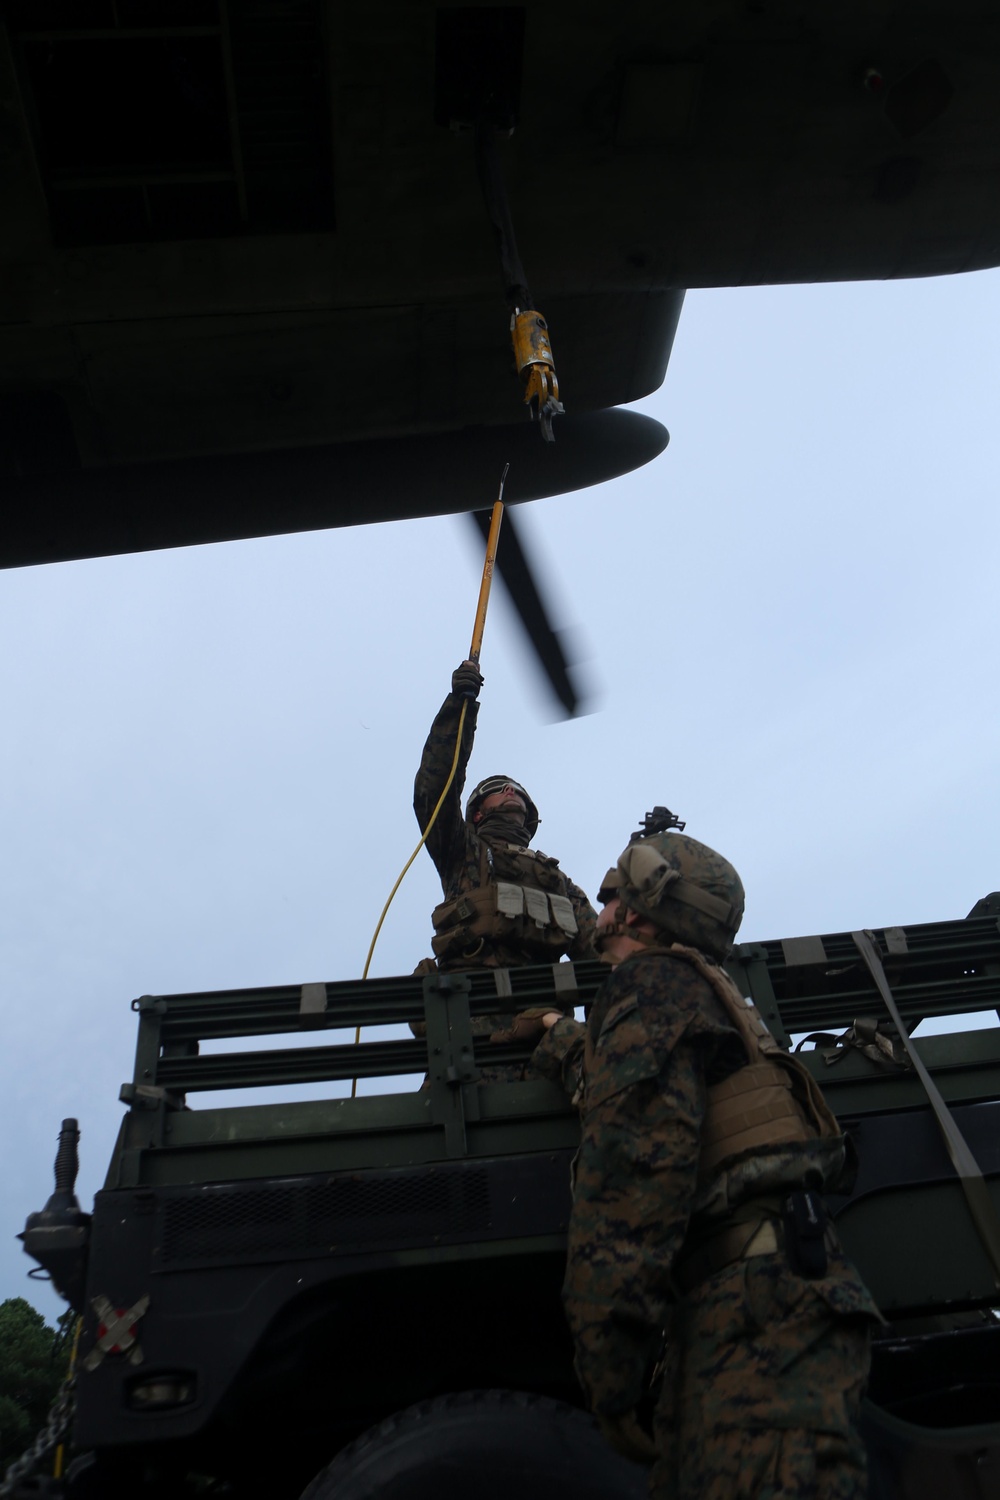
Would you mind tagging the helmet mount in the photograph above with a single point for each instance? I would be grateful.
(660, 820)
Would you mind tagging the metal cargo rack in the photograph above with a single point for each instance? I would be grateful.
(800, 985)
(907, 1191)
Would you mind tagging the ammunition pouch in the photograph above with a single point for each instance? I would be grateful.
(540, 925)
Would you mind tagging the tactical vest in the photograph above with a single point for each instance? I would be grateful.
(519, 907)
(772, 1101)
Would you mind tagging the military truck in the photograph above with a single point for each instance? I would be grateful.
(360, 1296)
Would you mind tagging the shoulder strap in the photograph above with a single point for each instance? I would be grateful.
(746, 1018)
(760, 1043)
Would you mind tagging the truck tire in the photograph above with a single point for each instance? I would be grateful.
(488, 1445)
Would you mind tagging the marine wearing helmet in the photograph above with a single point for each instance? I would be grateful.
(705, 1149)
(502, 794)
(505, 903)
(685, 889)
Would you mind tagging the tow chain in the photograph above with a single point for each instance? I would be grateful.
(56, 1428)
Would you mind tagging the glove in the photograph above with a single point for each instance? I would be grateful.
(525, 1026)
(466, 680)
(629, 1438)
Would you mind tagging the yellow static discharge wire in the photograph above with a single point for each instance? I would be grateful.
(423, 840)
(477, 642)
(60, 1456)
(399, 881)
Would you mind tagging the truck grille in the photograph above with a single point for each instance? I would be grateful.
(308, 1217)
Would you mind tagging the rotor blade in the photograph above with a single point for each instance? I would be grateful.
(514, 569)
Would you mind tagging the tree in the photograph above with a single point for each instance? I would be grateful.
(33, 1362)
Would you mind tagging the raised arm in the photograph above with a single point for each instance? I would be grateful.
(446, 840)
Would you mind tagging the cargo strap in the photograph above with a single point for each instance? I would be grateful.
(864, 1035)
(977, 1195)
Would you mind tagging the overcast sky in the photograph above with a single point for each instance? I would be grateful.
(207, 755)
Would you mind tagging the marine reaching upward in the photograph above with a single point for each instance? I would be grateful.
(699, 1245)
(505, 904)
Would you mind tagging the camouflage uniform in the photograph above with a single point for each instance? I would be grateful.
(460, 856)
(762, 1368)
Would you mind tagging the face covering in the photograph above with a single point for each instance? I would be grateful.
(499, 828)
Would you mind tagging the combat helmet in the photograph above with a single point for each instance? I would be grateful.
(690, 894)
(496, 784)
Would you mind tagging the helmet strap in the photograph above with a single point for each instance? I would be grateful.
(623, 928)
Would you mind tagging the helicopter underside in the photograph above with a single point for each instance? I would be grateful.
(246, 229)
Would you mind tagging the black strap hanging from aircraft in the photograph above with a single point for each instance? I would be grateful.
(515, 282)
(529, 331)
(533, 354)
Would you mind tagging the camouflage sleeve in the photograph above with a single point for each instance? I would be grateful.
(636, 1172)
(559, 1055)
(446, 841)
(586, 922)
(635, 1182)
